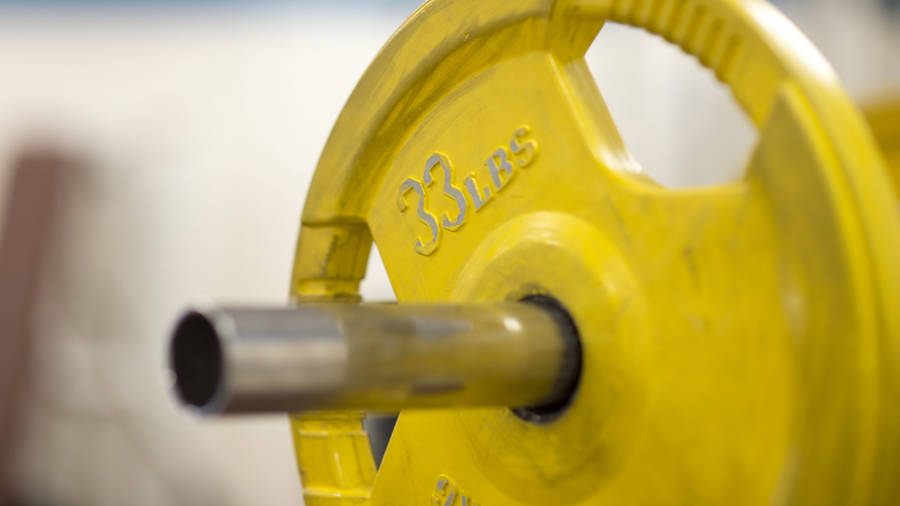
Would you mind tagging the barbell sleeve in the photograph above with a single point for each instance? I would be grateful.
(378, 357)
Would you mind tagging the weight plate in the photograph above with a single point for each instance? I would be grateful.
(883, 117)
(739, 345)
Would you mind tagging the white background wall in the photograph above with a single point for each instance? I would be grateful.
(201, 128)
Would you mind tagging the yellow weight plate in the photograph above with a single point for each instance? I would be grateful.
(883, 117)
(739, 346)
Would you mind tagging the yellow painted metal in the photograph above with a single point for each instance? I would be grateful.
(340, 469)
(883, 116)
(739, 342)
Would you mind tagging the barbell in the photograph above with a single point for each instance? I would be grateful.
(569, 331)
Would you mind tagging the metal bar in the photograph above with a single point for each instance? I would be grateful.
(379, 357)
